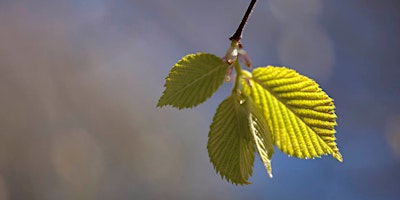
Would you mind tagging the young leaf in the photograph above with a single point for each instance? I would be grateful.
(261, 135)
(238, 124)
(301, 116)
(193, 80)
(230, 145)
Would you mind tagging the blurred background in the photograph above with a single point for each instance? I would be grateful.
(80, 80)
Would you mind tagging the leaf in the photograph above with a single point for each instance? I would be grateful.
(193, 80)
(301, 116)
(261, 135)
(238, 124)
(230, 144)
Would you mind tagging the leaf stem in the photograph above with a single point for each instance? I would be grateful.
(238, 34)
(238, 70)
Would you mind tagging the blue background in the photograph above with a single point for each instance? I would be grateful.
(80, 80)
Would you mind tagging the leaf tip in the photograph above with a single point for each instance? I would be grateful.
(160, 105)
(243, 183)
(338, 156)
(269, 169)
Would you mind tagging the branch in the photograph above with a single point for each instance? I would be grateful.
(238, 34)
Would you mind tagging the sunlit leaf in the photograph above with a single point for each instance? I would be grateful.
(230, 143)
(237, 128)
(193, 80)
(301, 116)
(261, 135)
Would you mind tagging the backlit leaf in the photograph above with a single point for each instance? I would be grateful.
(193, 80)
(239, 126)
(301, 116)
(230, 142)
(261, 135)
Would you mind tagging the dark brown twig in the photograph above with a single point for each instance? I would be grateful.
(238, 34)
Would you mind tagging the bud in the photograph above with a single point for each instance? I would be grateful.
(244, 57)
(231, 54)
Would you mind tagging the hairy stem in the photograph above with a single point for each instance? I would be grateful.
(238, 34)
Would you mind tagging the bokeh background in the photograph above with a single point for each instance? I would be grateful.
(80, 80)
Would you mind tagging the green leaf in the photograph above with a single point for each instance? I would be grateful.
(301, 116)
(261, 135)
(238, 126)
(193, 80)
(230, 144)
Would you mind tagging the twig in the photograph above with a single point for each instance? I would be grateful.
(238, 34)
